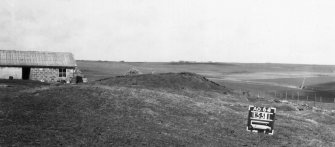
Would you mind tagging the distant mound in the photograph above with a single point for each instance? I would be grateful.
(184, 80)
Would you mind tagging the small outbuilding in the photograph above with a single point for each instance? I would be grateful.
(37, 65)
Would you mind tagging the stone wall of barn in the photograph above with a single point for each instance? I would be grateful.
(5, 72)
(50, 74)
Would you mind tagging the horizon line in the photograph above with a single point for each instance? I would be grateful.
(205, 62)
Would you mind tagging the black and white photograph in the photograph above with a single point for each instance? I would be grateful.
(156, 73)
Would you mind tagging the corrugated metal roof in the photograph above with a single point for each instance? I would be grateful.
(36, 58)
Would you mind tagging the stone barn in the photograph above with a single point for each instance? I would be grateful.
(36, 65)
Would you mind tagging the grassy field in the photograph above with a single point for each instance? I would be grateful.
(251, 77)
(164, 108)
(103, 69)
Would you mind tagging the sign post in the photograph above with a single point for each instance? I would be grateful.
(261, 119)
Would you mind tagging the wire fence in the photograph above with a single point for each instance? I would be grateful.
(317, 99)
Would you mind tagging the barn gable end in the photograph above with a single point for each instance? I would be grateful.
(15, 72)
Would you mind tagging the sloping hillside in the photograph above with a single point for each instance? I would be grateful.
(122, 115)
(102, 115)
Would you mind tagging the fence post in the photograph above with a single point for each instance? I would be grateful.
(321, 102)
(307, 98)
(314, 98)
(258, 95)
(240, 93)
(298, 96)
(286, 95)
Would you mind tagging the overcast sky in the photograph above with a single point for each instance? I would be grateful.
(284, 31)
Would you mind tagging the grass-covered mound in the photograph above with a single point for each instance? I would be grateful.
(98, 115)
(110, 116)
(116, 113)
(177, 81)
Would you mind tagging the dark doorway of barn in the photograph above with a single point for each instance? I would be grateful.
(25, 73)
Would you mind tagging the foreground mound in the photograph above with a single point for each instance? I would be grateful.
(182, 80)
(99, 115)
(110, 116)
